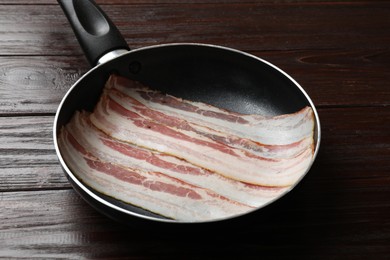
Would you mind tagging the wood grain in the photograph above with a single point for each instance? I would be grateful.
(331, 78)
(261, 27)
(27, 157)
(36, 84)
(337, 50)
(338, 78)
(65, 227)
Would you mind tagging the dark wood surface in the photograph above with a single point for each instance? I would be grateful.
(339, 51)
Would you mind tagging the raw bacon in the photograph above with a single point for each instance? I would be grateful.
(269, 151)
(185, 160)
(127, 126)
(153, 191)
(108, 149)
(278, 130)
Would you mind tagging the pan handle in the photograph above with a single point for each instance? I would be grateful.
(96, 33)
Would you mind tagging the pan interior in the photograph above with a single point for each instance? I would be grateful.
(218, 76)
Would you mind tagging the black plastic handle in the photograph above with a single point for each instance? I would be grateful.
(95, 32)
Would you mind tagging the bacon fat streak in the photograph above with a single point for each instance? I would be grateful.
(185, 160)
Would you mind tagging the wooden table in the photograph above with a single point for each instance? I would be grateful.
(338, 51)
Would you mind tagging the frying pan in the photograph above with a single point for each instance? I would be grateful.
(216, 75)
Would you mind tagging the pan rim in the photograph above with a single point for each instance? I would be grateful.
(106, 203)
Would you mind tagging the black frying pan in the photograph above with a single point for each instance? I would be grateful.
(220, 76)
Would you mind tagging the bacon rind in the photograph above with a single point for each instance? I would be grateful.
(115, 120)
(149, 190)
(112, 150)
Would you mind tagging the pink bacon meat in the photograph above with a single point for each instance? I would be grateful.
(269, 151)
(185, 160)
(278, 130)
(153, 191)
(115, 151)
(125, 125)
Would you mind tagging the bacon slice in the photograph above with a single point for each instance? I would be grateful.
(269, 151)
(122, 124)
(185, 160)
(279, 130)
(108, 149)
(153, 191)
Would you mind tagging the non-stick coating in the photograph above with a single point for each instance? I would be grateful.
(219, 76)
